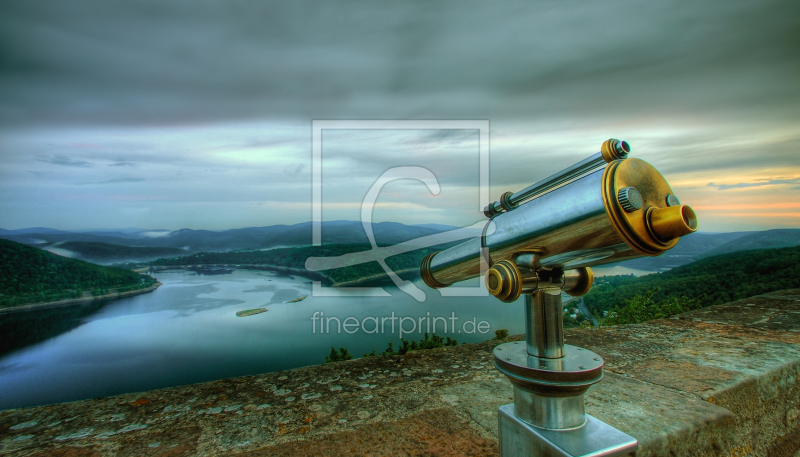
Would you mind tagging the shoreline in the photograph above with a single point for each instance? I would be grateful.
(81, 300)
(312, 275)
(369, 279)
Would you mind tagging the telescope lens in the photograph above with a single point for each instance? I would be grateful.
(689, 217)
(614, 149)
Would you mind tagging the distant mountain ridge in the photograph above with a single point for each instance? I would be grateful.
(700, 245)
(768, 239)
(23, 231)
(107, 246)
(190, 241)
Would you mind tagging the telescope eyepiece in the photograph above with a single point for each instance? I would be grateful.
(666, 224)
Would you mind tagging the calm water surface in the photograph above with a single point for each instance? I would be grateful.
(614, 270)
(187, 331)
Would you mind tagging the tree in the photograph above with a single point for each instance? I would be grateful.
(642, 308)
(338, 356)
(501, 334)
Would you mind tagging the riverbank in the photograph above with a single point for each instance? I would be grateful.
(376, 278)
(82, 300)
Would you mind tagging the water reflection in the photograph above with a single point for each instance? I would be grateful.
(187, 331)
(24, 328)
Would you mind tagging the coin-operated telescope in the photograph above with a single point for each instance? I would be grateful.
(540, 242)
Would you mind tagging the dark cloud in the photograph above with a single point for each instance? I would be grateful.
(212, 100)
(149, 62)
(440, 136)
(57, 159)
(353, 155)
(729, 147)
(759, 183)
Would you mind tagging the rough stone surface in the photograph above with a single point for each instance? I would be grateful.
(717, 381)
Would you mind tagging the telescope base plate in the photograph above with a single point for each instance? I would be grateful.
(568, 375)
(595, 438)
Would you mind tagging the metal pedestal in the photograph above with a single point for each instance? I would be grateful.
(547, 418)
(595, 438)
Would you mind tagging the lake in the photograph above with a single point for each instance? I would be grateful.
(187, 332)
(616, 269)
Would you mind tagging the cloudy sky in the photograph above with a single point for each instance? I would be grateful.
(199, 114)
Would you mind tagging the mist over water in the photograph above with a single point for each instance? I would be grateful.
(187, 331)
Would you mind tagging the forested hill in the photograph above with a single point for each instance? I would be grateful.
(768, 239)
(105, 253)
(296, 258)
(719, 279)
(31, 275)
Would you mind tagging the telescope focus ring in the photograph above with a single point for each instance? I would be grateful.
(630, 199)
(504, 281)
(427, 276)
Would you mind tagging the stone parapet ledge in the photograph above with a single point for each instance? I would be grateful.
(721, 381)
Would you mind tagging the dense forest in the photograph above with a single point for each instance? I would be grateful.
(642, 308)
(296, 258)
(711, 281)
(31, 275)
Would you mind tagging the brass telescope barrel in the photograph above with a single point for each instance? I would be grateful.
(541, 242)
(611, 150)
(601, 210)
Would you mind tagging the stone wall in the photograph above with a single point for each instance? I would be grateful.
(717, 381)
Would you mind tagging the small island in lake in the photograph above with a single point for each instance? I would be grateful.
(250, 312)
(298, 299)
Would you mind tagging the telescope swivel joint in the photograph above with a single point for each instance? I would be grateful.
(506, 281)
